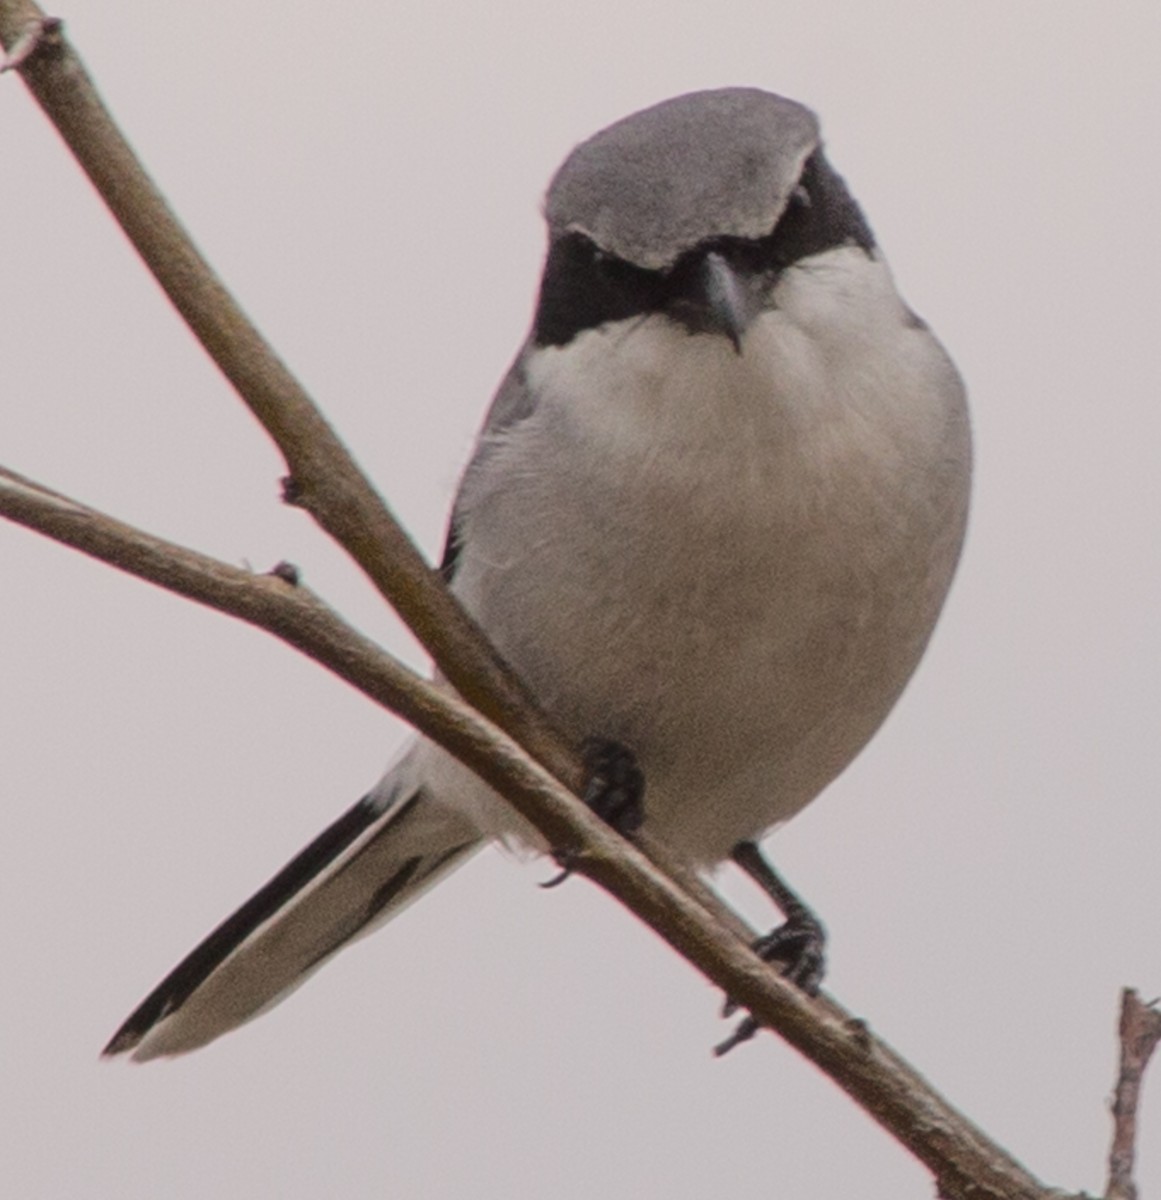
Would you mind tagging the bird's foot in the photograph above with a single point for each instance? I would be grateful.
(798, 948)
(614, 790)
(615, 787)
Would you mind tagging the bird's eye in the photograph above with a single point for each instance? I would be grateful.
(800, 196)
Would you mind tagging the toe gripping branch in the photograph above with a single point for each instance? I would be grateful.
(614, 790)
(797, 946)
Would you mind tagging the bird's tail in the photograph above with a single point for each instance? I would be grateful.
(363, 869)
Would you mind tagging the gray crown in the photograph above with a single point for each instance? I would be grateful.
(695, 167)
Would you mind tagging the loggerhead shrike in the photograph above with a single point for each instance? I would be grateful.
(711, 519)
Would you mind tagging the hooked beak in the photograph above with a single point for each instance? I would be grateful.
(729, 307)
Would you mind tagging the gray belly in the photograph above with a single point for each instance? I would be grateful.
(744, 637)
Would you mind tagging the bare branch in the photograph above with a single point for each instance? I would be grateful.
(27, 42)
(326, 481)
(1140, 1031)
(324, 478)
(964, 1160)
(293, 613)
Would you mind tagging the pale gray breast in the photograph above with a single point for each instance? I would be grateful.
(704, 620)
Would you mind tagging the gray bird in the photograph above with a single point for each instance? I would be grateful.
(711, 519)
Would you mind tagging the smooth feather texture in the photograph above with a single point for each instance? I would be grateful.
(362, 870)
(725, 552)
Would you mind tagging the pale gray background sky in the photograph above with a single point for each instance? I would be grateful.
(367, 179)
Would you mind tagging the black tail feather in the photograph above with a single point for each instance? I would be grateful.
(200, 963)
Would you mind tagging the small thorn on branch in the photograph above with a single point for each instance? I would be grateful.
(37, 35)
(1140, 1031)
(287, 572)
(291, 491)
(860, 1033)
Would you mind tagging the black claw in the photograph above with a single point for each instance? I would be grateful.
(746, 1029)
(566, 860)
(615, 789)
(798, 947)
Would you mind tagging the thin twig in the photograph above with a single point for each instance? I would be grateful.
(1140, 1031)
(323, 478)
(276, 602)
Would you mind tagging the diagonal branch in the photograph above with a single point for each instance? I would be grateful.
(325, 480)
(962, 1157)
(323, 476)
(275, 602)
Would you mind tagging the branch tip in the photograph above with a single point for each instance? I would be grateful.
(1140, 1031)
